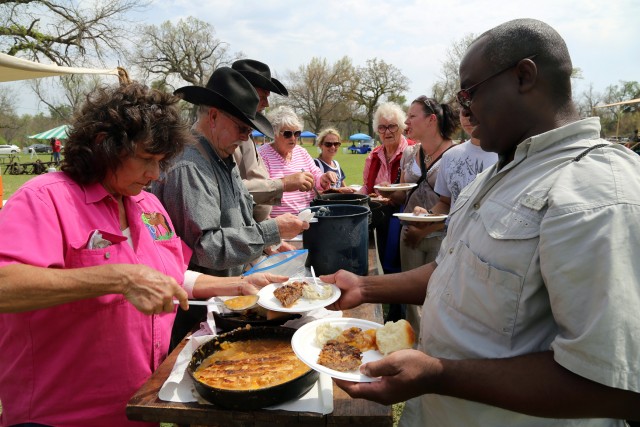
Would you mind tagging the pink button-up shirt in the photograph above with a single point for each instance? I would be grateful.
(292, 201)
(77, 364)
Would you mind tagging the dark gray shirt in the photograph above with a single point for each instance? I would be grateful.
(212, 212)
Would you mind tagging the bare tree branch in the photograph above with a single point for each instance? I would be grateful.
(66, 31)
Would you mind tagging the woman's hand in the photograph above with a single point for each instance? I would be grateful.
(260, 280)
(150, 291)
(350, 285)
(413, 235)
(328, 179)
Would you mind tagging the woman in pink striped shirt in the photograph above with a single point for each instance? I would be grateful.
(284, 157)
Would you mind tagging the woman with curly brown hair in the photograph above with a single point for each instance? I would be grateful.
(90, 266)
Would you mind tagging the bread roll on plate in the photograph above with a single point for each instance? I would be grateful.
(394, 336)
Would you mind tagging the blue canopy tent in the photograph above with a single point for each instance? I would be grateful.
(256, 134)
(364, 145)
(309, 135)
(359, 137)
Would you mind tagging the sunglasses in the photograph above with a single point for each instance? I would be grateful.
(288, 134)
(333, 144)
(465, 96)
(391, 128)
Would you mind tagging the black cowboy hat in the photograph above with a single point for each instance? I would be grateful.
(259, 75)
(231, 93)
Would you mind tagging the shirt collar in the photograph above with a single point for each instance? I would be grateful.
(95, 192)
(582, 129)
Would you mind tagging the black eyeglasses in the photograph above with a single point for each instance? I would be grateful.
(288, 134)
(333, 144)
(465, 96)
(393, 128)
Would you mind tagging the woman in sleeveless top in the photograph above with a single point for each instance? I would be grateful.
(329, 143)
(432, 125)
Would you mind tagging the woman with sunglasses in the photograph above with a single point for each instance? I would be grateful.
(432, 125)
(329, 143)
(284, 157)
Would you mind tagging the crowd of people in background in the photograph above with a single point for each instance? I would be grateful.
(525, 298)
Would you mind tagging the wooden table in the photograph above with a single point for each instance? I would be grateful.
(146, 406)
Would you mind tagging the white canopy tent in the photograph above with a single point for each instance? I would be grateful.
(630, 101)
(12, 68)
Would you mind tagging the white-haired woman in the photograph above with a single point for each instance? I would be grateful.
(382, 165)
(284, 157)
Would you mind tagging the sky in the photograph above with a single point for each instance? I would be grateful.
(414, 35)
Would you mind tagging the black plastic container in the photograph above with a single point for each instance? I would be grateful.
(339, 240)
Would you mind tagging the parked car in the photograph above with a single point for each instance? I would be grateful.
(39, 148)
(9, 149)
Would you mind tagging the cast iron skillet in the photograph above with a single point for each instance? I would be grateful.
(250, 399)
(230, 321)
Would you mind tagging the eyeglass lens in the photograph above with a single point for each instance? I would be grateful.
(333, 144)
(392, 128)
(288, 134)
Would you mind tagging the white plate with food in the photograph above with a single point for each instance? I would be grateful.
(396, 187)
(297, 295)
(421, 217)
(306, 347)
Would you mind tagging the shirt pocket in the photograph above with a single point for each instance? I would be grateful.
(78, 255)
(478, 291)
(172, 257)
(511, 222)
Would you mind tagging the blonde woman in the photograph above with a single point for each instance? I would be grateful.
(329, 143)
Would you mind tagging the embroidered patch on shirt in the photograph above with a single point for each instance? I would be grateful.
(532, 202)
(157, 225)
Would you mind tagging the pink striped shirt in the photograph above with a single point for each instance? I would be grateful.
(292, 201)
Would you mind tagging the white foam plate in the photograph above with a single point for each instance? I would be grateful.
(421, 217)
(396, 187)
(305, 347)
(270, 302)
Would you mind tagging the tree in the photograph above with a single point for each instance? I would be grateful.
(587, 102)
(64, 32)
(620, 119)
(318, 89)
(445, 89)
(373, 83)
(70, 93)
(188, 51)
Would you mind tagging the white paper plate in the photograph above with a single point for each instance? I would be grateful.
(270, 302)
(305, 347)
(396, 187)
(420, 218)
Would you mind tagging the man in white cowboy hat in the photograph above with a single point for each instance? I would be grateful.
(211, 209)
(264, 190)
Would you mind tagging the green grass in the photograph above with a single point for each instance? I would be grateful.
(352, 164)
(11, 183)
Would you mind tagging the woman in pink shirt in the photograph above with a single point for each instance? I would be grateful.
(90, 267)
(284, 157)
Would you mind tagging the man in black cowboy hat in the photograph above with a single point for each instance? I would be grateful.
(265, 191)
(211, 209)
